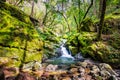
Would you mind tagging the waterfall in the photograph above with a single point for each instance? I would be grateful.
(64, 51)
(64, 56)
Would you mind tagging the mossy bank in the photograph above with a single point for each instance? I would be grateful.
(107, 50)
(18, 37)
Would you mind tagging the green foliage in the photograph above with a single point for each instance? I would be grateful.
(115, 40)
(87, 25)
(22, 1)
(36, 1)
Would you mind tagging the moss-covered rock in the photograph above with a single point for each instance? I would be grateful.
(16, 29)
(80, 40)
(51, 42)
(15, 12)
(104, 51)
(111, 24)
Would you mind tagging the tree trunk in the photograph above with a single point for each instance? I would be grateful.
(79, 12)
(102, 15)
(32, 9)
(62, 6)
(100, 8)
(94, 8)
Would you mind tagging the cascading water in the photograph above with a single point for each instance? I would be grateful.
(65, 53)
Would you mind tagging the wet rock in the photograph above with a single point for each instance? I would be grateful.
(113, 77)
(66, 78)
(58, 52)
(64, 67)
(76, 74)
(108, 68)
(56, 77)
(57, 72)
(24, 76)
(45, 57)
(87, 70)
(95, 69)
(38, 73)
(75, 77)
(10, 78)
(82, 78)
(44, 65)
(37, 65)
(83, 64)
(73, 70)
(81, 71)
(98, 78)
(51, 67)
(117, 71)
(34, 66)
(88, 77)
(11, 71)
(79, 57)
(105, 74)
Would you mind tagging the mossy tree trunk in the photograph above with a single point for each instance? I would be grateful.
(102, 15)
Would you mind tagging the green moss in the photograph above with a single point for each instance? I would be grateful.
(34, 56)
(15, 29)
(112, 16)
(97, 50)
(84, 39)
(102, 52)
(13, 11)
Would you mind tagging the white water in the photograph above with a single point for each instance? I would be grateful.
(65, 52)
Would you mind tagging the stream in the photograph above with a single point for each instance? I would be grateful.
(64, 56)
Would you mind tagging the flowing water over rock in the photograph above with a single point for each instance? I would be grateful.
(64, 55)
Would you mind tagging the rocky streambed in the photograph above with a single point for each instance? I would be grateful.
(86, 70)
